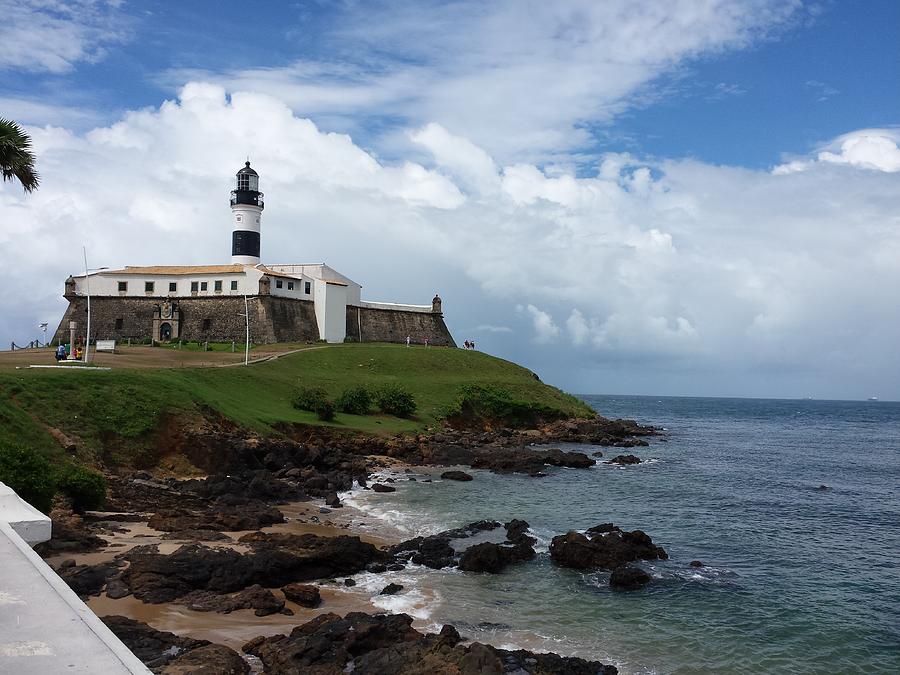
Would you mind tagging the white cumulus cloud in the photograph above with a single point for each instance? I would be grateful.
(876, 149)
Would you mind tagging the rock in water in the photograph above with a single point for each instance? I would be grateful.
(696, 563)
(628, 578)
(456, 475)
(378, 487)
(603, 547)
(391, 589)
(493, 558)
(304, 595)
(625, 459)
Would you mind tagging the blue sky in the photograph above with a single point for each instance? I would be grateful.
(636, 197)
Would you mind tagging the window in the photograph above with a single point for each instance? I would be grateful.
(217, 286)
(194, 286)
(123, 286)
(234, 285)
(120, 323)
(290, 285)
(206, 324)
(148, 286)
(239, 218)
(279, 283)
(204, 285)
(173, 286)
(306, 290)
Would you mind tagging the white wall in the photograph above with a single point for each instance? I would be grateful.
(335, 313)
(323, 272)
(298, 292)
(424, 309)
(103, 284)
(331, 310)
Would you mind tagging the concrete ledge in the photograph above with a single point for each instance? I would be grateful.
(25, 520)
(44, 627)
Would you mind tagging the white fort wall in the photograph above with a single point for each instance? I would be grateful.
(135, 284)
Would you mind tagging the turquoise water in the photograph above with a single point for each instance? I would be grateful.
(798, 579)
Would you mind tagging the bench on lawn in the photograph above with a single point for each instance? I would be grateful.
(105, 346)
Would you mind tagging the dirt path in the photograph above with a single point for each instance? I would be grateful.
(156, 357)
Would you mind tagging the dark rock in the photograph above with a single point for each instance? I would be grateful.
(517, 532)
(396, 567)
(387, 644)
(607, 547)
(376, 568)
(628, 578)
(208, 660)
(493, 558)
(599, 453)
(456, 475)
(277, 559)
(625, 459)
(507, 460)
(196, 535)
(603, 528)
(435, 551)
(257, 598)
(318, 557)
(230, 514)
(378, 487)
(155, 648)
(88, 580)
(331, 499)
(391, 589)
(304, 595)
(116, 588)
(696, 563)
(349, 582)
(69, 535)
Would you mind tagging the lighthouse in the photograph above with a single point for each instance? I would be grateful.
(246, 209)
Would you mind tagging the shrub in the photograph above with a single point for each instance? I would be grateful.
(29, 474)
(309, 398)
(394, 400)
(477, 404)
(315, 400)
(325, 411)
(355, 401)
(86, 488)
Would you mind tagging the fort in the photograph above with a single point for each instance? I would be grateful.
(217, 303)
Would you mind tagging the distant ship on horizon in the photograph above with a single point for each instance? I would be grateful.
(872, 398)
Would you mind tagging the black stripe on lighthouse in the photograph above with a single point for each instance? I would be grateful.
(245, 242)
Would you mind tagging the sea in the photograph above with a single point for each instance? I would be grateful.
(792, 506)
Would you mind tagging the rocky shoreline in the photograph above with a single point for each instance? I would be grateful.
(222, 545)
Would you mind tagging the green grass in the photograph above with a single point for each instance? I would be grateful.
(111, 409)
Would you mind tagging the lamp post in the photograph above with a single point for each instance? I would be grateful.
(247, 337)
(87, 288)
(43, 327)
(246, 316)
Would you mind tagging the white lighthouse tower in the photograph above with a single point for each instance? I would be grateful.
(246, 208)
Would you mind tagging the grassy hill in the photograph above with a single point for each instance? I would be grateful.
(117, 407)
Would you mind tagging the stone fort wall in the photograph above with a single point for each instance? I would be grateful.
(366, 324)
(201, 319)
(221, 319)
